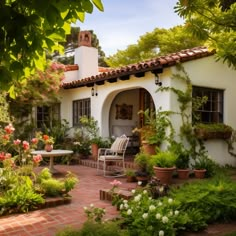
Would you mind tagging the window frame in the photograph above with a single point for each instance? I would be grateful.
(213, 110)
(80, 107)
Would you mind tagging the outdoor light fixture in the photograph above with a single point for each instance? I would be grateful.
(157, 80)
(94, 91)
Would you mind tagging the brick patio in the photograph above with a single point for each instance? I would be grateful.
(46, 222)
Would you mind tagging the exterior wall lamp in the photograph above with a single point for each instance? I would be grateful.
(157, 80)
(94, 91)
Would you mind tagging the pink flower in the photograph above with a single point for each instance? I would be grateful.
(34, 140)
(25, 145)
(2, 156)
(8, 155)
(6, 137)
(9, 129)
(37, 158)
(115, 183)
(17, 142)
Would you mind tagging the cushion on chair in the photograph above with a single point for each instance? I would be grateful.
(110, 158)
(119, 144)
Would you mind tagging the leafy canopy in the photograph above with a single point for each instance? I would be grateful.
(214, 21)
(30, 27)
(155, 43)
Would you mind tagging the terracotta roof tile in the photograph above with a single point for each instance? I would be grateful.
(134, 69)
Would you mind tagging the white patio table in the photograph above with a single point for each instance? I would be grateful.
(51, 155)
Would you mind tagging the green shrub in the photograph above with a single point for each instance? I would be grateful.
(20, 198)
(214, 198)
(69, 182)
(44, 174)
(52, 187)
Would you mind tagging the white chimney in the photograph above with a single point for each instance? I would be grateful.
(86, 56)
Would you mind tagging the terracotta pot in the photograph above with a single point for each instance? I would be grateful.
(94, 148)
(143, 179)
(199, 174)
(164, 174)
(48, 147)
(148, 148)
(183, 173)
(131, 179)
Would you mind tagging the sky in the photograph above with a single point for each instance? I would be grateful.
(123, 22)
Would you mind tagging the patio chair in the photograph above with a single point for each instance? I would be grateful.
(116, 153)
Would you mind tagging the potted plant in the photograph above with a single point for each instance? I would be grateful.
(182, 161)
(164, 165)
(213, 131)
(199, 166)
(130, 174)
(153, 132)
(144, 167)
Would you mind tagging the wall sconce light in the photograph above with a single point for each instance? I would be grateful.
(94, 91)
(157, 80)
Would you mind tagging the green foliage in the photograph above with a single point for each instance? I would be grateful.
(91, 228)
(4, 108)
(28, 29)
(21, 197)
(214, 199)
(54, 187)
(183, 157)
(213, 21)
(155, 43)
(219, 127)
(155, 126)
(142, 160)
(164, 159)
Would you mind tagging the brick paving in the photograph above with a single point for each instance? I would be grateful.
(46, 222)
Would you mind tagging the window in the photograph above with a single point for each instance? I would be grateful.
(47, 114)
(81, 108)
(212, 110)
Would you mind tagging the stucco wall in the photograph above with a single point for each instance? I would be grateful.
(203, 72)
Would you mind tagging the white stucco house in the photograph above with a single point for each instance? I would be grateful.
(114, 96)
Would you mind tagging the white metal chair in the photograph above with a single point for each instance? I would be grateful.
(116, 153)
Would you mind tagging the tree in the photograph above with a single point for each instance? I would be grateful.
(155, 43)
(214, 21)
(29, 28)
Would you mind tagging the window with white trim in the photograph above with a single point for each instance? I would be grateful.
(212, 110)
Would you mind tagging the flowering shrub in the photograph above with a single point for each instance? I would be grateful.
(16, 151)
(144, 215)
(94, 213)
(47, 139)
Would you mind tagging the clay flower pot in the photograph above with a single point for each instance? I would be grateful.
(199, 174)
(164, 174)
(183, 173)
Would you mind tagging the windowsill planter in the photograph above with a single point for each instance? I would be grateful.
(213, 131)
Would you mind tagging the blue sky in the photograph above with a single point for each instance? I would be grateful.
(123, 22)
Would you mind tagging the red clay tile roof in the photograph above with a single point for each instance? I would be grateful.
(71, 67)
(138, 69)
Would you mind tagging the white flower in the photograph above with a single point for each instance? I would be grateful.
(91, 205)
(152, 208)
(85, 208)
(126, 206)
(145, 191)
(137, 198)
(165, 219)
(129, 212)
(176, 212)
(145, 215)
(139, 183)
(171, 213)
(121, 206)
(133, 191)
(160, 204)
(161, 233)
(158, 216)
(125, 201)
(161, 189)
(170, 200)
